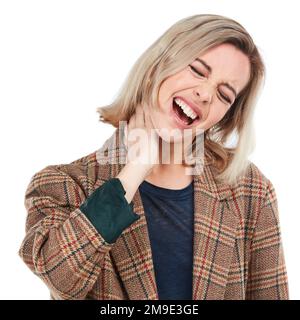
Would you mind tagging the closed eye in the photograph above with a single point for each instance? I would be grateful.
(196, 71)
(227, 100)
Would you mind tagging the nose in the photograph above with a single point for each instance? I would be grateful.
(203, 93)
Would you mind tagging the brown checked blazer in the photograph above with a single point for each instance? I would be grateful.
(237, 246)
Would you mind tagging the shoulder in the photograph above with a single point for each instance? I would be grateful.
(80, 175)
(254, 187)
(83, 174)
(256, 178)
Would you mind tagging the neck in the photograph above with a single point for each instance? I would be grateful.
(171, 155)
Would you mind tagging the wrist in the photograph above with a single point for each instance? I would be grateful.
(137, 170)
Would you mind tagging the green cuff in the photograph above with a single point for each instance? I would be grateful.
(108, 210)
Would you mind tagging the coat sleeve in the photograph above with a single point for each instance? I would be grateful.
(62, 246)
(267, 277)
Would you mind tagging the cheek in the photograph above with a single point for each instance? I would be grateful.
(215, 115)
(171, 86)
(160, 118)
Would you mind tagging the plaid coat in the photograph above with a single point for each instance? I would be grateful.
(238, 252)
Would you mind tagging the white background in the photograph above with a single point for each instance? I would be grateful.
(60, 60)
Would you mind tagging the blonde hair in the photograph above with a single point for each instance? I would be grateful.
(174, 50)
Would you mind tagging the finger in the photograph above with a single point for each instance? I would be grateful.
(128, 129)
(147, 117)
(140, 122)
(131, 124)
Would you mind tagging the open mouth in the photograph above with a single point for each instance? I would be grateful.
(186, 119)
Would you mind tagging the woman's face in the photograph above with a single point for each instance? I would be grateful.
(208, 85)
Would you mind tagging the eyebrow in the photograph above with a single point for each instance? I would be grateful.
(210, 70)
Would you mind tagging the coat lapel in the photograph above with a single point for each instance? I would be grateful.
(215, 227)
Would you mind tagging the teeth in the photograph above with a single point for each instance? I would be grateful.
(186, 109)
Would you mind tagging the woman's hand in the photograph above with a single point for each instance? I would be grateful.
(141, 139)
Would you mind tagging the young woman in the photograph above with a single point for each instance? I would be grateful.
(107, 226)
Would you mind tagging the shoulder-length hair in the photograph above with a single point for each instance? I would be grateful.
(173, 51)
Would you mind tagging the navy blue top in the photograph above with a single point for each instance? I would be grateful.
(170, 218)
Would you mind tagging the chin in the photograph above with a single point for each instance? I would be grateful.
(169, 135)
